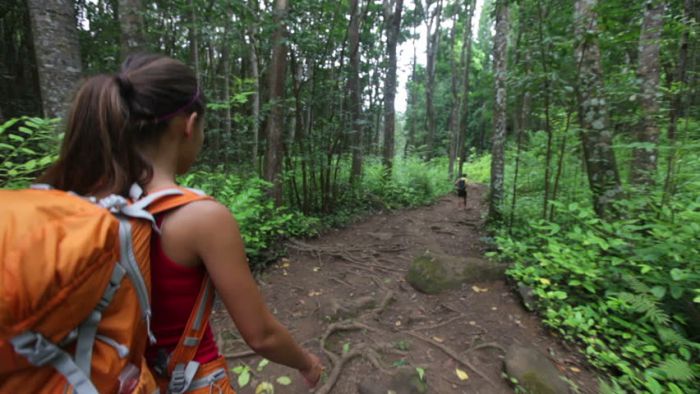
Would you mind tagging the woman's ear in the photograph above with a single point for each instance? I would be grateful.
(191, 125)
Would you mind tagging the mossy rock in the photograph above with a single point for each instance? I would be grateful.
(433, 273)
(534, 372)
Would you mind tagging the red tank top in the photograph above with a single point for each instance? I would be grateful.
(175, 289)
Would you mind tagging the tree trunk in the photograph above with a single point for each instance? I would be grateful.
(454, 111)
(275, 121)
(57, 52)
(355, 105)
(466, 68)
(680, 76)
(410, 138)
(131, 25)
(500, 58)
(544, 50)
(226, 66)
(194, 39)
(393, 26)
(255, 76)
(596, 134)
(645, 158)
(433, 41)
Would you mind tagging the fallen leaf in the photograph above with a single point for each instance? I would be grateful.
(284, 380)
(438, 339)
(314, 293)
(478, 289)
(265, 388)
(346, 347)
(262, 364)
(574, 369)
(398, 323)
(472, 323)
(493, 308)
(461, 374)
(316, 269)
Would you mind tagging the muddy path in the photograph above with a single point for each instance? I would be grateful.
(346, 292)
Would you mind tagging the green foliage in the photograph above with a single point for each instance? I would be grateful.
(27, 146)
(261, 223)
(624, 289)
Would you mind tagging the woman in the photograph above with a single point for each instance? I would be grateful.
(145, 125)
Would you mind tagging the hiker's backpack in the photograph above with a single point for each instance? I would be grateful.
(75, 292)
(461, 184)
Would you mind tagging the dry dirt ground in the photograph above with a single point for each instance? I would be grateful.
(345, 297)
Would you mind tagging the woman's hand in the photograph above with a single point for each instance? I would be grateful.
(312, 374)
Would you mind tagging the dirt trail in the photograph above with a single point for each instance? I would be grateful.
(379, 322)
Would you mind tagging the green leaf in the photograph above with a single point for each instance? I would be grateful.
(284, 380)
(658, 291)
(677, 274)
(346, 347)
(676, 369)
(244, 378)
(262, 364)
(421, 373)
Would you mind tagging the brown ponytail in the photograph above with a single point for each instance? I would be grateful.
(113, 115)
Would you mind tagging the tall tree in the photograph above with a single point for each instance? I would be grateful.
(454, 90)
(131, 26)
(194, 38)
(57, 52)
(275, 121)
(355, 104)
(432, 44)
(500, 61)
(392, 20)
(596, 134)
(466, 69)
(645, 158)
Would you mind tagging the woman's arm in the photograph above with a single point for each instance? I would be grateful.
(217, 241)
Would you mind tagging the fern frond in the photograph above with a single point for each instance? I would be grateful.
(646, 305)
(675, 369)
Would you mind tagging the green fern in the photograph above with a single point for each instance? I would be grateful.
(675, 369)
(643, 303)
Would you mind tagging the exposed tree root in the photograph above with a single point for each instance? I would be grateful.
(452, 354)
(438, 325)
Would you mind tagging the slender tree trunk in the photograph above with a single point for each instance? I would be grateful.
(411, 137)
(500, 55)
(226, 66)
(466, 68)
(680, 76)
(644, 164)
(596, 134)
(454, 111)
(544, 50)
(255, 102)
(57, 52)
(275, 122)
(393, 26)
(433, 42)
(355, 105)
(194, 39)
(131, 25)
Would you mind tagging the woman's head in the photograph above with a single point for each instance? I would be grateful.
(152, 100)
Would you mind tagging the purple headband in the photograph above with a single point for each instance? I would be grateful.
(173, 114)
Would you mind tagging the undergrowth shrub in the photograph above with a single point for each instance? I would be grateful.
(27, 146)
(628, 290)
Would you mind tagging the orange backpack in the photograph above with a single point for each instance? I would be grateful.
(68, 315)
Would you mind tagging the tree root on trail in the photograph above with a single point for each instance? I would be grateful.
(438, 325)
(452, 354)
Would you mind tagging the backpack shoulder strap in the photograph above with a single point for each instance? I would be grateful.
(175, 198)
(181, 365)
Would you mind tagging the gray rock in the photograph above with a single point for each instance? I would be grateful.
(404, 381)
(434, 273)
(527, 295)
(534, 371)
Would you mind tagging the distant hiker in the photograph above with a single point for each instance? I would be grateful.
(461, 185)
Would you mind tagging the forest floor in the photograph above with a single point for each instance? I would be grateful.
(346, 291)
